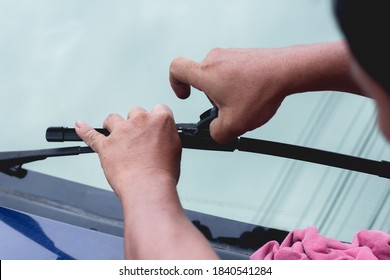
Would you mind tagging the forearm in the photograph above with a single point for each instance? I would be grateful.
(156, 226)
(319, 67)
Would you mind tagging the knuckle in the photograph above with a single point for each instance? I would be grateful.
(165, 117)
(215, 52)
(140, 114)
(138, 117)
(173, 65)
(176, 63)
(112, 115)
(109, 118)
(162, 120)
(162, 112)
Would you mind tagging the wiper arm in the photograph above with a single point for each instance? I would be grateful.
(11, 162)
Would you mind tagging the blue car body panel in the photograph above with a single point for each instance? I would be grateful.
(44, 217)
(25, 236)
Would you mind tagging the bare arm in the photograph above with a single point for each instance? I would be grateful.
(252, 83)
(319, 67)
(141, 161)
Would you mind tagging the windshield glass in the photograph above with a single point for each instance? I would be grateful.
(67, 60)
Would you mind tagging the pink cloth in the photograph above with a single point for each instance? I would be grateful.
(308, 244)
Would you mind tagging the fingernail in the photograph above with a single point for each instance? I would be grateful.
(80, 124)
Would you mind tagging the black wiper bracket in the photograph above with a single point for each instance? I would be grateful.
(11, 162)
(197, 135)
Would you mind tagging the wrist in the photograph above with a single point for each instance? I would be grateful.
(148, 183)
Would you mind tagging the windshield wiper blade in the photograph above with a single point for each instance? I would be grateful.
(11, 162)
(197, 136)
(368, 166)
(204, 142)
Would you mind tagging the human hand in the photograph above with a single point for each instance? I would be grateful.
(144, 145)
(245, 84)
(141, 161)
(249, 85)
